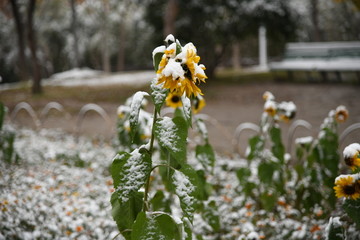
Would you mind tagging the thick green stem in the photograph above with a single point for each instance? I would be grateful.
(147, 184)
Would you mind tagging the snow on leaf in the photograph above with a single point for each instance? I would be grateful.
(132, 174)
(135, 109)
(171, 134)
(187, 109)
(158, 94)
(185, 183)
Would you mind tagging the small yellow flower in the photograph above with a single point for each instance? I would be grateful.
(352, 156)
(174, 100)
(346, 186)
(270, 108)
(341, 114)
(353, 161)
(199, 104)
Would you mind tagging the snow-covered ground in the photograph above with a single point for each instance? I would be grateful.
(60, 189)
(87, 77)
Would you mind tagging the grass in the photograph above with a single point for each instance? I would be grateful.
(70, 97)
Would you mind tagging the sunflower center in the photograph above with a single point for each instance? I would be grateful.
(187, 71)
(175, 99)
(349, 161)
(349, 190)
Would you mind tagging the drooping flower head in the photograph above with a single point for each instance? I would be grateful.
(352, 155)
(347, 186)
(341, 114)
(179, 69)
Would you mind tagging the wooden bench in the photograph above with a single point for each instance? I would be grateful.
(322, 57)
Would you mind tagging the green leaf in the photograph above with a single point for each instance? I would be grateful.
(156, 60)
(243, 174)
(2, 115)
(265, 172)
(171, 134)
(256, 145)
(268, 201)
(160, 203)
(211, 216)
(277, 148)
(135, 110)
(335, 229)
(178, 48)
(125, 213)
(185, 184)
(160, 226)
(204, 189)
(158, 94)
(351, 207)
(187, 110)
(187, 229)
(202, 129)
(130, 172)
(206, 156)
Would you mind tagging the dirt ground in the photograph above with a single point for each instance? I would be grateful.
(229, 105)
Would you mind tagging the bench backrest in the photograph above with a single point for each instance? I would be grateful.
(322, 50)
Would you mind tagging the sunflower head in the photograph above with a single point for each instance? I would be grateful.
(173, 100)
(347, 186)
(199, 104)
(352, 156)
(179, 69)
(341, 114)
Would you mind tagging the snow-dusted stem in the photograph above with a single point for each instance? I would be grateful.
(147, 185)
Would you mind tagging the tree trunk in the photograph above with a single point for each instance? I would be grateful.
(73, 31)
(21, 41)
(316, 32)
(105, 35)
(171, 12)
(236, 59)
(121, 52)
(36, 69)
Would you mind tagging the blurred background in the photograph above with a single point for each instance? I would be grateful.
(39, 38)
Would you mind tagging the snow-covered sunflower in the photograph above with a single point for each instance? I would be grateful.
(270, 107)
(173, 100)
(199, 104)
(352, 155)
(341, 114)
(347, 186)
(179, 69)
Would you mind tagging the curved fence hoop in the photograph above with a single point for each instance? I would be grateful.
(293, 127)
(239, 129)
(27, 108)
(91, 107)
(45, 111)
(216, 124)
(347, 131)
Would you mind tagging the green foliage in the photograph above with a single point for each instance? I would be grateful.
(335, 230)
(273, 178)
(138, 217)
(171, 135)
(7, 138)
(351, 207)
(206, 156)
(159, 226)
(134, 112)
(158, 95)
